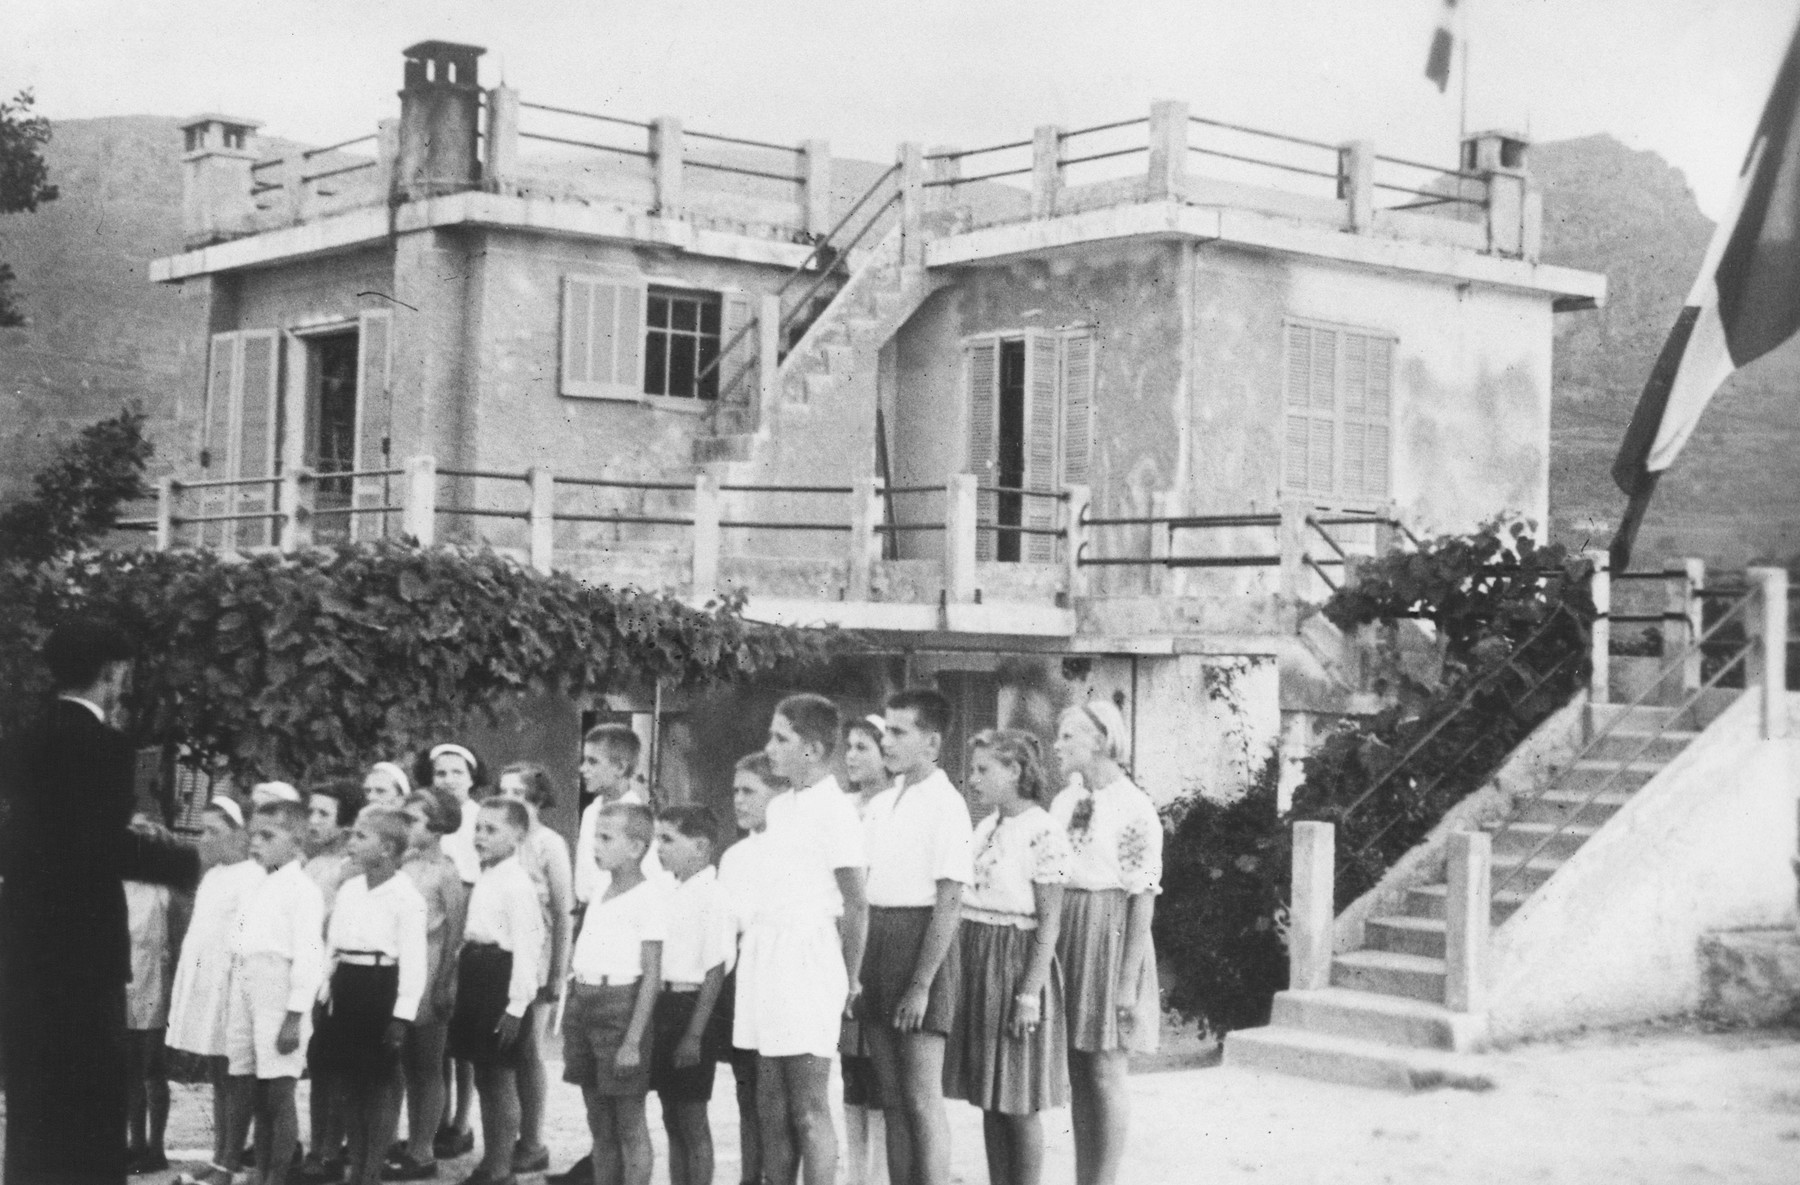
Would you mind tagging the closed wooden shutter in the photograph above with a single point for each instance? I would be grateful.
(1338, 403)
(1043, 415)
(216, 446)
(1308, 461)
(738, 370)
(374, 422)
(1078, 407)
(603, 337)
(258, 376)
(1368, 379)
(984, 395)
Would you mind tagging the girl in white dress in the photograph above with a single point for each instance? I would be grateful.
(1105, 948)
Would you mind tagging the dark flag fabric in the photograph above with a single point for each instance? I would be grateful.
(1745, 302)
(1443, 44)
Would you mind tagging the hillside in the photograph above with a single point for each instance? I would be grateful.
(1731, 496)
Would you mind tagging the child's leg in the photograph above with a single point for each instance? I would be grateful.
(996, 1137)
(137, 1103)
(284, 1131)
(632, 1131)
(607, 1169)
(265, 1127)
(384, 1119)
(1025, 1143)
(779, 1156)
(353, 1097)
(922, 1104)
(1100, 1111)
(884, 1056)
(157, 1090)
(499, 1089)
(534, 1086)
(423, 1061)
(465, 1096)
(750, 1153)
(238, 1113)
(689, 1132)
(807, 1082)
(217, 1073)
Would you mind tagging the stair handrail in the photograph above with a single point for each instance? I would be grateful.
(823, 257)
(1672, 666)
(1468, 697)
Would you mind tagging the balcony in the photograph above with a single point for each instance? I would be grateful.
(867, 556)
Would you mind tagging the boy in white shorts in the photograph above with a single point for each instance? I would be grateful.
(803, 945)
(278, 963)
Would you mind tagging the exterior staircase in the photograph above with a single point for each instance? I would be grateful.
(1383, 1020)
(825, 400)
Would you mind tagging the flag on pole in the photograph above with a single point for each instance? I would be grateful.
(1443, 46)
(1745, 302)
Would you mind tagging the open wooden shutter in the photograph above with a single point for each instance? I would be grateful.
(1078, 407)
(1308, 457)
(374, 422)
(603, 337)
(984, 396)
(1043, 415)
(258, 377)
(216, 451)
(738, 369)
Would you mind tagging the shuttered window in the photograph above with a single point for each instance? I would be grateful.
(374, 425)
(1057, 426)
(1337, 399)
(603, 337)
(240, 436)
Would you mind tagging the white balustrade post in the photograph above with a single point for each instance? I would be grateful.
(500, 163)
(1467, 920)
(959, 538)
(293, 185)
(165, 513)
(1312, 911)
(1046, 170)
(768, 356)
(387, 157)
(419, 517)
(665, 160)
(1600, 643)
(1767, 628)
(707, 534)
(941, 165)
(815, 167)
(912, 204)
(1356, 183)
(543, 519)
(1693, 613)
(1164, 505)
(865, 539)
(1079, 540)
(296, 510)
(1293, 549)
(1168, 147)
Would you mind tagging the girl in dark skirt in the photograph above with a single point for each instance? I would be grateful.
(376, 951)
(865, 1158)
(1008, 1051)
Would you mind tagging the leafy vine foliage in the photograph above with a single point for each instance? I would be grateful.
(1513, 618)
(24, 179)
(310, 664)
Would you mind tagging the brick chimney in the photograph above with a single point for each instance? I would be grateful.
(216, 198)
(440, 120)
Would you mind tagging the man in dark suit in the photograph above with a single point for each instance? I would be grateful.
(64, 942)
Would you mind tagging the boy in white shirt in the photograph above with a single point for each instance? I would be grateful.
(697, 952)
(617, 968)
(278, 964)
(918, 840)
(377, 953)
(498, 978)
(609, 761)
(803, 947)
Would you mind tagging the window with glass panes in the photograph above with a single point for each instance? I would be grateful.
(681, 340)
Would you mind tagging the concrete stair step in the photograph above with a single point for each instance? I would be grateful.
(1390, 974)
(1366, 1016)
(1622, 745)
(1330, 1058)
(1554, 806)
(1519, 839)
(1588, 774)
(1405, 935)
(1642, 718)
(1526, 876)
(1427, 901)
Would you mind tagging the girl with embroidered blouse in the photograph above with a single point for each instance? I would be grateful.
(1008, 1049)
(1115, 872)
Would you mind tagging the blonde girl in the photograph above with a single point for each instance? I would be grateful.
(865, 776)
(1109, 967)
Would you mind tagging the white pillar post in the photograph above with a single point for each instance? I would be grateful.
(1356, 183)
(1600, 654)
(815, 197)
(706, 535)
(1467, 917)
(500, 166)
(959, 538)
(1080, 535)
(1046, 169)
(665, 161)
(1693, 612)
(1312, 911)
(165, 513)
(1767, 628)
(865, 540)
(543, 519)
(419, 519)
(296, 510)
(768, 356)
(1293, 549)
(1168, 147)
(912, 204)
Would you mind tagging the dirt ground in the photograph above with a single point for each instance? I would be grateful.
(1666, 1103)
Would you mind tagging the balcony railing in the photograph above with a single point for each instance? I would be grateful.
(963, 544)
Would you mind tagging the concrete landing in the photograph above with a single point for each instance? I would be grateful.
(1352, 1061)
(1751, 977)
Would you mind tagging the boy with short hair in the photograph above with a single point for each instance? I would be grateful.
(331, 809)
(697, 952)
(803, 947)
(278, 964)
(617, 968)
(609, 761)
(918, 837)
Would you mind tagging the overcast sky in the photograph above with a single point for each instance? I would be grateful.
(1686, 78)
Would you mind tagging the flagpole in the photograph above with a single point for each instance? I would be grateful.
(1462, 115)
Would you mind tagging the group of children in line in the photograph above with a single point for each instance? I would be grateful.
(376, 936)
